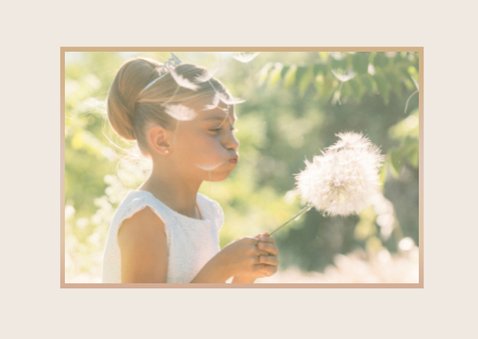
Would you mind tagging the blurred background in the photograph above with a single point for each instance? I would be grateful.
(295, 103)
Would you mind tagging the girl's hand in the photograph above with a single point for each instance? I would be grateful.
(245, 260)
(265, 264)
(240, 256)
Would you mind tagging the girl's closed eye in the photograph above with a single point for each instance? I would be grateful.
(215, 129)
(220, 128)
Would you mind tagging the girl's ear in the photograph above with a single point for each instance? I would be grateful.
(158, 140)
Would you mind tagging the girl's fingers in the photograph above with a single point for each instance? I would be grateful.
(267, 260)
(268, 247)
(264, 237)
(265, 270)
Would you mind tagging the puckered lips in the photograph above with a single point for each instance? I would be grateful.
(234, 159)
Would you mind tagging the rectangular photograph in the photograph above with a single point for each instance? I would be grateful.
(242, 167)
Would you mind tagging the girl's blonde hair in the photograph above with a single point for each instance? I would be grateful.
(143, 87)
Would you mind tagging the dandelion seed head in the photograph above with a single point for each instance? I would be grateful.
(344, 178)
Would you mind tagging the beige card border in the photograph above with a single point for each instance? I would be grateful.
(65, 49)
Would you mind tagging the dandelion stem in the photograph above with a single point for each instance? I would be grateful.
(302, 211)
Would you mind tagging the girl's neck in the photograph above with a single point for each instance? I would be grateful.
(175, 193)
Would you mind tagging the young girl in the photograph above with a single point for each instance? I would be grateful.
(165, 231)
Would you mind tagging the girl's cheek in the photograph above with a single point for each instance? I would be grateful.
(214, 150)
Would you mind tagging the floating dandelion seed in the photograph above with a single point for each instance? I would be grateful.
(205, 76)
(210, 166)
(245, 57)
(232, 100)
(342, 180)
(215, 102)
(164, 69)
(180, 112)
(182, 81)
(337, 55)
(342, 75)
(221, 97)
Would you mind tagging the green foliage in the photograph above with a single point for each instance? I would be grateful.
(296, 103)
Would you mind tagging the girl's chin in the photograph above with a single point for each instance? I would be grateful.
(218, 175)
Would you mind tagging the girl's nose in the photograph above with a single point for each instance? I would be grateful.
(231, 141)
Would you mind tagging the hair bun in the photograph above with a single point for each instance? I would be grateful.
(131, 78)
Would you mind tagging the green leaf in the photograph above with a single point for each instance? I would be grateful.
(275, 75)
(414, 156)
(360, 62)
(373, 244)
(413, 72)
(290, 76)
(306, 81)
(320, 68)
(380, 60)
(264, 73)
(365, 228)
(327, 87)
(383, 87)
(367, 83)
(358, 90)
(299, 73)
(406, 128)
(410, 151)
(396, 162)
(383, 174)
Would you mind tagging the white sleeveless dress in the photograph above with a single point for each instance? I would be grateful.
(191, 242)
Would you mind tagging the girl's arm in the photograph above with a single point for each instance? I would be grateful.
(143, 246)
(242, 280)
(235, 258)
(144, 254)
(216, 270)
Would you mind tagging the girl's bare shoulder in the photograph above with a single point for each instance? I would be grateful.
(143, 246)
(144, 226)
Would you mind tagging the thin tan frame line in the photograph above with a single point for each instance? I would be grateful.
(421, 178)
(62, 170)
(256, 285)
(420, 51)
(241, 48)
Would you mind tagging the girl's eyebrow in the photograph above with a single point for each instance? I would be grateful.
(219, 117)
(215, 118)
